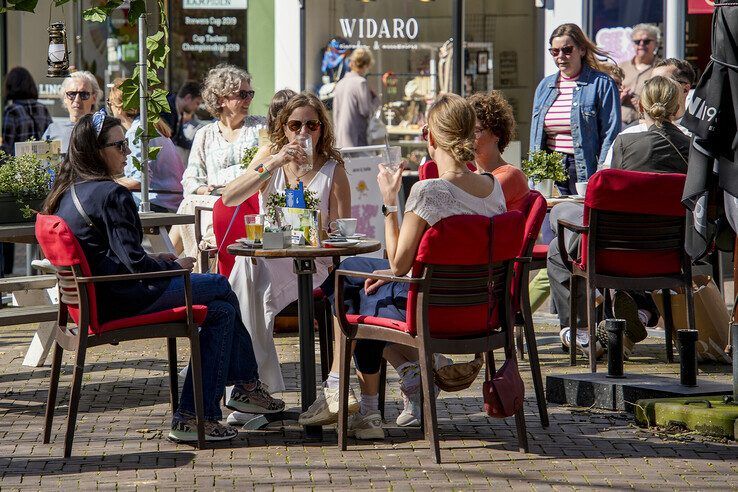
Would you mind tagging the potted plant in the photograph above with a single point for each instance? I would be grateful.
(275, 228)
(25, 180)
(543, 169)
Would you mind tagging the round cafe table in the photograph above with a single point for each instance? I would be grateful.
(304, 267)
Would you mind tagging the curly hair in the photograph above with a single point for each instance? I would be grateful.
(495, 114)
(220, 82)
(326, 145)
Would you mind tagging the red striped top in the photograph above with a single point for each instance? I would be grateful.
(557, 122)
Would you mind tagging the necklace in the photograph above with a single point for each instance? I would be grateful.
(298, 178)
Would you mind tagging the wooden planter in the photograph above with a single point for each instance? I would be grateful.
(10, 209)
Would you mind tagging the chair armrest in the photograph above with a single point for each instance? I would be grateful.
(523, 259)
(379, 276)
(198, 221)
(132, 276)
(563, 251)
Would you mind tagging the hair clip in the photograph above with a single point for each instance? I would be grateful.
(97, 121)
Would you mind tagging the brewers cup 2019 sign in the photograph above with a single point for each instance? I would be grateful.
(204, 33)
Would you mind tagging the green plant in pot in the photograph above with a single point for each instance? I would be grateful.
(544, 169)
(25, 181)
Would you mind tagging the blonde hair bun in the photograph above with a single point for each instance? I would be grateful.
(660, 99)
(451, 121)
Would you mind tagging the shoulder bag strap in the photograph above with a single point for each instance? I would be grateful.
(672, 144)
(228, 229)
(81, 210)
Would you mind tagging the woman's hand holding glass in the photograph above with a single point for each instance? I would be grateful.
(390, 183)
(291, 152)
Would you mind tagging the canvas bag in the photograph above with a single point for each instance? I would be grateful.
(712, 319)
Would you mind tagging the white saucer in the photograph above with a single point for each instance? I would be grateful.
(358, 235)
(334, 243)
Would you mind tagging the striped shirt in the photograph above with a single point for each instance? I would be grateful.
(557, 122)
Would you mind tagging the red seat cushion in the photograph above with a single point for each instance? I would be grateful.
(540, 251)
(373, 320)
(167, 316)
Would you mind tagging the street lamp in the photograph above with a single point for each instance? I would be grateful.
(58, 57)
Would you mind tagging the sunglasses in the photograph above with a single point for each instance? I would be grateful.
(424, 133)
(644, 42)
(243, 95)
(295, 125)
(566, 50)
(72, 95)
(121, 144)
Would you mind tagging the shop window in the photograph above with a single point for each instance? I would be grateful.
(612, 22)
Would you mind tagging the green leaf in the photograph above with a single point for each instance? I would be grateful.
(95, 14)
(22, 5)
(139, 134)
(154, 153)
(137, 8)
(59, 3)
(136, 163)
(131, 94)
(158, 49)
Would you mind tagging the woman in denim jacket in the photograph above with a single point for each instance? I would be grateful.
(577, 110)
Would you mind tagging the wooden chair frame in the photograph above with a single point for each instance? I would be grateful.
(428, 283)
(622, 231)
(73, 292)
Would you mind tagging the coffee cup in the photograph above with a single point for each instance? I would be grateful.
(345, 227)
(581, 188)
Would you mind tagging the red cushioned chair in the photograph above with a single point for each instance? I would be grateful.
(429, 170)
(447, 306)
(534, 208)
(228, 226)
(632, 239)
(78, 299)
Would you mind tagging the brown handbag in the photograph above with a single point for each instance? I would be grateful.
(505, 393)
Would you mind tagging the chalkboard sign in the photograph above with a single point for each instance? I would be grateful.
(203, 34)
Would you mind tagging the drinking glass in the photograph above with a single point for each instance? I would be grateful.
(306, 142)
(392, 159)
(254, 227)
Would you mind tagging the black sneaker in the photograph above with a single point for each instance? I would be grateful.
(255, 401)
(624, 307)
(186, 431)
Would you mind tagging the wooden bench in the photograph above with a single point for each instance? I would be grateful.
(35, 304)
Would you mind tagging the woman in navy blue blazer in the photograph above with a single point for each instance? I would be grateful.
(112, 245)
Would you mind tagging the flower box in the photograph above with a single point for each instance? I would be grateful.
(11, 211)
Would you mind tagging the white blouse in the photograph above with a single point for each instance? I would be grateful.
(216, 161)
(436, 199)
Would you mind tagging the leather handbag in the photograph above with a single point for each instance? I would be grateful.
(459, 376)
(505, 392)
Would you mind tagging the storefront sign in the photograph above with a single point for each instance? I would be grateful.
(381, 29)
(215, 4)
(700, 7)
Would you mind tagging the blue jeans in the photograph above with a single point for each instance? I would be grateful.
(388, 301)
(226, 351)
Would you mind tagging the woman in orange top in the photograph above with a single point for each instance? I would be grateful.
(493, 131)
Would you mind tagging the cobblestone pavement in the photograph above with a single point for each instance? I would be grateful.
(124, 417)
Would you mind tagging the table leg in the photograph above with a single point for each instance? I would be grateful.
(159, 241)
(305, 268)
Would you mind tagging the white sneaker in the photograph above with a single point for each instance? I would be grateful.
(239, 418)
(367, 426)
(324, 409)
(582, 342)
(412, 411)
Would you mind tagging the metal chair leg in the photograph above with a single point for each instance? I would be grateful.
(196, 368)
(79, 369)
(173, 374)
(668, 325)
(343, 388)
(429, 401)
(382, 386)
(53, 388)
(535, 367)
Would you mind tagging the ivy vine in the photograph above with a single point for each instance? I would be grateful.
(158, 48)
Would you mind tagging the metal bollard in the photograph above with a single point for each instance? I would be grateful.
(615, 329)
(734, 343)
(687, 357)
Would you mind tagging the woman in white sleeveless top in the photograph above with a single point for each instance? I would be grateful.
(457, 191)
(266, 287)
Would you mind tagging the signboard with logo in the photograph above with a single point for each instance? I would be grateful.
(203, 34)
(387, 34)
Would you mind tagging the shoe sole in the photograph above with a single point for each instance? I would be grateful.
(250, 408)
(410, 423)
(368, 434)
(191, 437)
(624, 307)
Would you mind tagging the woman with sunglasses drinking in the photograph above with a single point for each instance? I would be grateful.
(266, 287)
(576, 111)
(79, 94)
(637, 70)
(217, 148)
(105, 222)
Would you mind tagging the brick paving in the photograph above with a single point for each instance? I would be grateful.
(124, 417)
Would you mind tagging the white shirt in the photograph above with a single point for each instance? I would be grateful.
(216, 161)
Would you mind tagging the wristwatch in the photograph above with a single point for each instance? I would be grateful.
(388, 209)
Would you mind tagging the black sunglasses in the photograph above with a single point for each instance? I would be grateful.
(245, 94)
(644, 42)
(296, 125)
(72, 95)
(567, 50)
(121, 144)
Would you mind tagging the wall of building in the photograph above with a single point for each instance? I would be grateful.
(260, 49)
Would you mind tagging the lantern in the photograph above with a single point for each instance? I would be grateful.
(58, 59)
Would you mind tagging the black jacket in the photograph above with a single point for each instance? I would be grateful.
(661, 150)
(114, 247)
